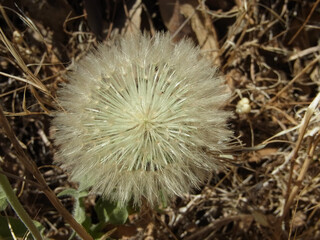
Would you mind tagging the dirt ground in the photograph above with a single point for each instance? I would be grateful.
(269, 53)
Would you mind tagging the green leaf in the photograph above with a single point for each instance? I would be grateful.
(79, 212)
(73, 193)
(111, 213)
(18, 228)
(3, 200)
(119, 215)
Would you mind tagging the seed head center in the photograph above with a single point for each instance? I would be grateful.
(146, 124)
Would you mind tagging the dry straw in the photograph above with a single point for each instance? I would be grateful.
(140, 118)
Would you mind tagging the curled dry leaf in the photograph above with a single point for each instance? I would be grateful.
(187, 17)
(173, 19)
(133, 21)
(203, 28)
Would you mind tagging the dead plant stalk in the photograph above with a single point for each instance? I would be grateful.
(305, 122)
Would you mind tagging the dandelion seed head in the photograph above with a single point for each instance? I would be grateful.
(140, 117)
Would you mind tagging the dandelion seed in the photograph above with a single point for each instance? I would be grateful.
(142, 116)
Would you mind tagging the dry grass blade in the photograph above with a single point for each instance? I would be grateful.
(305, 122)
(23, 80)
(19, 79)
(36, 82)
(23, 18)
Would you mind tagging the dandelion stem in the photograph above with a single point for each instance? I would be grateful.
(33, 169)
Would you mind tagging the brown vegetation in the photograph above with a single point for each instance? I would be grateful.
(269, 52)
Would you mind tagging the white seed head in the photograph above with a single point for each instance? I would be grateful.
(140, 117)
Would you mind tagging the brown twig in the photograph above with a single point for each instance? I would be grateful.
(305, 22)
(32, 168)
(303, 71)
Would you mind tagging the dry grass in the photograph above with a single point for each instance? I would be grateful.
(269, 52)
